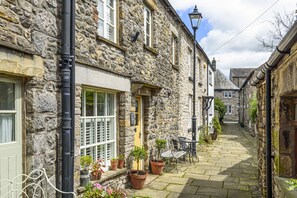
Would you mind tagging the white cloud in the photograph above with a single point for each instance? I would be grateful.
(227, 19)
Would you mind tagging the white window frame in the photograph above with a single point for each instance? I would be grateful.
(173, 48)
(145, 25)
(230, 94)
(225, 94)
(189, 56)
(16, 111)
(105, 23)
(83, 117)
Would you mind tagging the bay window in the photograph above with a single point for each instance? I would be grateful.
(107, 19)
(98, 125)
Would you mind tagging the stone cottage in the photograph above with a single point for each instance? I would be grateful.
(247, 93)
(239, 75)
(282, 65)
(225, 90)
(133, 82)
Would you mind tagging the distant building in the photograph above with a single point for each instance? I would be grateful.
(246, 93)
(228, 93)
(239, 75)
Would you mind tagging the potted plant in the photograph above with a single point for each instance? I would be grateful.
(97, 170)
(85, 162)
(113, 164)
(158, 164)
(121, 161)
(138, 177)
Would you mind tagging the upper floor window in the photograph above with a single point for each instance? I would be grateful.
(210, 77)
(174, 49)
(190, 66)
(107, 19)
(227, 94)
(147, 26)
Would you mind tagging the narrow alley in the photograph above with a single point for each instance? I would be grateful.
(227, 168)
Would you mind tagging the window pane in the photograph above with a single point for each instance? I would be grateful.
(89, 103)
(110, 104)
(7, 130)
(147, 40)
(110, 3)
(100, 130)
(148, 29)
(148, 16)
(82, 127)
(101, 152)
(110, 151)
(110, 32)
(101, 28)
(110, 129)
(100, 104)
(90, 131)
(7, 96)
(100, 9)
(110, 16)
(91, 151)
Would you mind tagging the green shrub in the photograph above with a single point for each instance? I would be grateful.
(292, 184)
(216, 125)
(253, 106)
(221, 108)
(85, 162)
(160, 144)
(138, 153)
(204, 137)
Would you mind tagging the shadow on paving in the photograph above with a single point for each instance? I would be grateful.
(227, 168)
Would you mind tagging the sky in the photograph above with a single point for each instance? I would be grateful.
(223, 19)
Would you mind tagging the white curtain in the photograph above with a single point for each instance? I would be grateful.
(6, 128)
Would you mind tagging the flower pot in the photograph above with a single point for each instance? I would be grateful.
(96, 175)
(84, 177)
(114, 164)
(138, 180)
(157, 167)
(121, 163)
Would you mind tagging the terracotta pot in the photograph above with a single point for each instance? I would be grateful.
(157, 167)
(121, 163)
(113, 164)
(138, 180)
(96, 175)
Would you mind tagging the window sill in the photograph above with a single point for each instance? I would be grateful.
(284, 187)
(104, 40)
(175, 66)
(150, 49)
(105, 176)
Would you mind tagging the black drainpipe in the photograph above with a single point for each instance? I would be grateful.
(268, 134)
(72, 53)
(67, 131)
(243, 107)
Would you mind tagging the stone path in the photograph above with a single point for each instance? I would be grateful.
(227, 168)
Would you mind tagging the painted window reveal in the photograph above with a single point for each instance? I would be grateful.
(107, 19)
(174, 49)
(190, 108)
(98, 125)
(7, 112)
(190, 66)
(147, 26)
(210, 77)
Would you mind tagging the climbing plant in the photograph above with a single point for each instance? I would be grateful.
(253, 105)
(221, 108)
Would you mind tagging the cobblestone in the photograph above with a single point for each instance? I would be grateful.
(227, 168)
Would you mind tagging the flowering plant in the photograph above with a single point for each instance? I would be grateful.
(98, 191)
(97, 166)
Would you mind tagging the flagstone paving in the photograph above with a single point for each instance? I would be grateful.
(226, 168)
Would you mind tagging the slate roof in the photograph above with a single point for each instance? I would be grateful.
(222, 82)
(240, 72)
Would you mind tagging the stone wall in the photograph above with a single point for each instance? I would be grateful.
(32, 53)
(234, 116)
(284, 90)
(246, 93)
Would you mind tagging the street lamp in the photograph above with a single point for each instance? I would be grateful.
(195, 18)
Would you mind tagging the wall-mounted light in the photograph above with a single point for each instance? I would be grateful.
(134, 37)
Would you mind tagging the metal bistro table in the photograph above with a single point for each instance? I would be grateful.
(190, 144)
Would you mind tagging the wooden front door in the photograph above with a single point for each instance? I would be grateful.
(138, 128)
(10, 137)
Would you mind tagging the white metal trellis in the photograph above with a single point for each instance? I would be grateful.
(32, 184)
